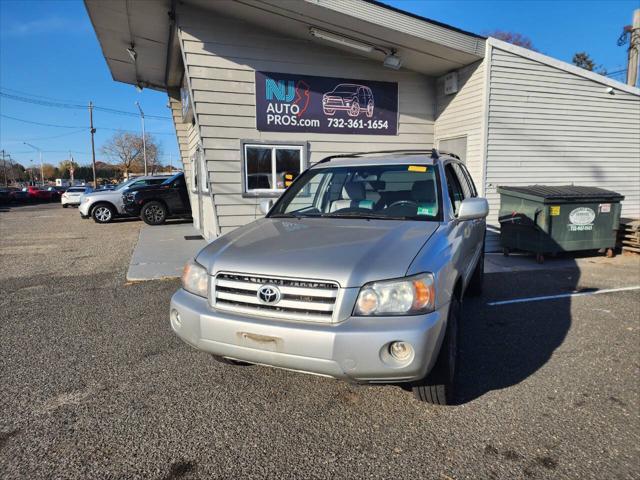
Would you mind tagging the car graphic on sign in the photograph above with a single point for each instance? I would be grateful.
(353, 98)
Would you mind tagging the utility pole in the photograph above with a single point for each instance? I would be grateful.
(634, 50)
(4, 164)
(39, 150)
(93, 146)
(144, 140)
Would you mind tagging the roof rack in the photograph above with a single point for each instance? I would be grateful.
(360, 154)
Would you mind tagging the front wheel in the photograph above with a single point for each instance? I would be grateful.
(438, 386)
(64, 205)
(154, 213)
(102, 214)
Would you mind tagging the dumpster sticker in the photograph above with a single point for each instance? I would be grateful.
(554, 211)
(605, 208)
(581, 219)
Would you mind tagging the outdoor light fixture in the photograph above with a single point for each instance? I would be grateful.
(132, 53)
(392, 61)
(344, 41)
(139, 87)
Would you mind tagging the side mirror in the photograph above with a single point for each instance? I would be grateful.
(265, 206)
(473, 208)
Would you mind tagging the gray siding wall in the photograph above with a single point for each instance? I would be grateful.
(221, 57)
(461, 114)
(550, 126)
(188, 139)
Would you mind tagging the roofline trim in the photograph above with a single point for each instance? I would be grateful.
(567, 67)
(425, 19)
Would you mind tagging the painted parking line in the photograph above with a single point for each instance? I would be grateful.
(563, 295)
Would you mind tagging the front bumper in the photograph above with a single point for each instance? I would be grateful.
(84, 208)
(131, 209)
(355, 349)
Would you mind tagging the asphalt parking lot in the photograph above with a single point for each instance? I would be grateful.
(94, 384)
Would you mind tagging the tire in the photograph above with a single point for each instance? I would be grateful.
(154, 213)
(354, 111)
(229, 361)
(103, 213)
(64, 205)
(474, 289)
(438, 387)
(370, 110)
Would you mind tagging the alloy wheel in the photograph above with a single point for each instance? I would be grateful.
(103, 214)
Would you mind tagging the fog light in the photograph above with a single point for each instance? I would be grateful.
(175, 317)
(400, 351)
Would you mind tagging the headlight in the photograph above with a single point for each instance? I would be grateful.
(404, 296)
(195, 278)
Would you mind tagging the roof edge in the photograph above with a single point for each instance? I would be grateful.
(424, 19)
(567, 67)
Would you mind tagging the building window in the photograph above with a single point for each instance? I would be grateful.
(265, 166)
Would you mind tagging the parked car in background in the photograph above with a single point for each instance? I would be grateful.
(72, 196)
(37, 194)
(105, 205)
(56, 192)
(155, 203)
(357, 272)
(5, 196)
(18, 195)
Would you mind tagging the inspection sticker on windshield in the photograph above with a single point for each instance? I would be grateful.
(555, 211)
(417, 168)
(422, 210)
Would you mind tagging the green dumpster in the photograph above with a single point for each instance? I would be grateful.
(546, 219)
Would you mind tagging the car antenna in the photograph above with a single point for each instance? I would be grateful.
(434, 154)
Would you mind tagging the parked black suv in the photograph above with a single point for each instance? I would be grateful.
(155, 203)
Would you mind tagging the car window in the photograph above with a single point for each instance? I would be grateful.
(454, 189)
(462, 179)
(467, 175)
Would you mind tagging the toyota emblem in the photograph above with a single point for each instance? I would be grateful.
(269, 294)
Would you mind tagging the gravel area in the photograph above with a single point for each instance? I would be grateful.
(94, 385)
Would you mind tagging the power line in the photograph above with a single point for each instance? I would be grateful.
(73, 106)
(76, 127)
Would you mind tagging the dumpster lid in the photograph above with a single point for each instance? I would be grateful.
(563, 192)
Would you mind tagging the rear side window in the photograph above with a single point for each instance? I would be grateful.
(454, 188)
(76, 190)
(465, 177)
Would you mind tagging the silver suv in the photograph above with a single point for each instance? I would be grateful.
(105, 205)
(357, 272)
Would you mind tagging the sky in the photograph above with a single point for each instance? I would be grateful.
(49, 53)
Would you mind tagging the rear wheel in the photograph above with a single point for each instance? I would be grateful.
(154, 213)
(103, 213)
(64, 205)
(438, 386)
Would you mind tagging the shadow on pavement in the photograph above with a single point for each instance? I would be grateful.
(503, 345)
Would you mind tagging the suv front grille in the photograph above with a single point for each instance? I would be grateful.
(303, 300)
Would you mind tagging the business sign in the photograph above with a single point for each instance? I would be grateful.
(300, 103)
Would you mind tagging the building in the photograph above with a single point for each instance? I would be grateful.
(262, 88)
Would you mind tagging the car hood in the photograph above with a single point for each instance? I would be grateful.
(349, 251)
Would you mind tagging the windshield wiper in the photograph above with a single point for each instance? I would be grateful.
(367, 216)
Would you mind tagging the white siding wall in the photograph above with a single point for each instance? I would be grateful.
(221, 57)
(461, 114)
(550, 126)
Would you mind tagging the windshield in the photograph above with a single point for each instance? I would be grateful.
(170, 180)
(123, 185)
(345, 88)
(388, 192)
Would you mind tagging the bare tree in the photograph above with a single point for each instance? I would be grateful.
(584, 60)
(512, 37)
(125, 149)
